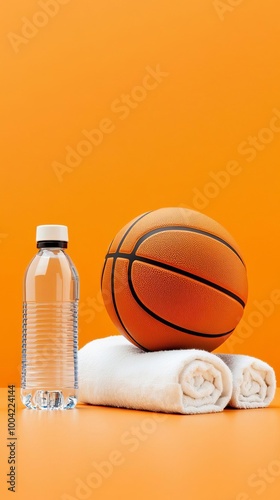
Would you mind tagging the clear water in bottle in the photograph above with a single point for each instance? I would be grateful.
(50, 325)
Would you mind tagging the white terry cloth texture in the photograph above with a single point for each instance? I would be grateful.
(114, 372)
(254, 381)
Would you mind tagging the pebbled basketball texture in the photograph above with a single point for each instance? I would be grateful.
(174, 278)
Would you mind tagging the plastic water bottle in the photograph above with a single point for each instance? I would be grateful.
(49, 377)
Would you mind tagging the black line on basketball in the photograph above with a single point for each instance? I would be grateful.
(137, 258)
(104, 265)
(164, 321)
(113, 281)
(189, 229)
(129, 229)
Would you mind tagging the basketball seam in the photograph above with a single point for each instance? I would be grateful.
(104, 265)
(188, 229)
(138, 258)
(164, 321)
(113, 282)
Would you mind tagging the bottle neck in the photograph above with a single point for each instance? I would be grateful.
(52, 244)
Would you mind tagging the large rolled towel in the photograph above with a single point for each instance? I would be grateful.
(114, 372)
(254, 381)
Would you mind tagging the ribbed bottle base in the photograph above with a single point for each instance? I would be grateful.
(51, 399)
(50, 355)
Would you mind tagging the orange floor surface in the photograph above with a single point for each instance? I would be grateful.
(95, 452)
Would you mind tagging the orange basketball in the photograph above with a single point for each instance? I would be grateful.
(174, 278)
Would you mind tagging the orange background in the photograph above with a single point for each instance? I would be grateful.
(221, 86)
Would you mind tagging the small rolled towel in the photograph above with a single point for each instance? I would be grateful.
(114, 372)
(254, 381)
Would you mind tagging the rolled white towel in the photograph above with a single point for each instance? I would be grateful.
(254, 381)
(114, 372)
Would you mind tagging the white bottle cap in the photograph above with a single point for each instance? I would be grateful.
(52, 232)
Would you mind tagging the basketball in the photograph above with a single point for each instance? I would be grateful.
(174, 278)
